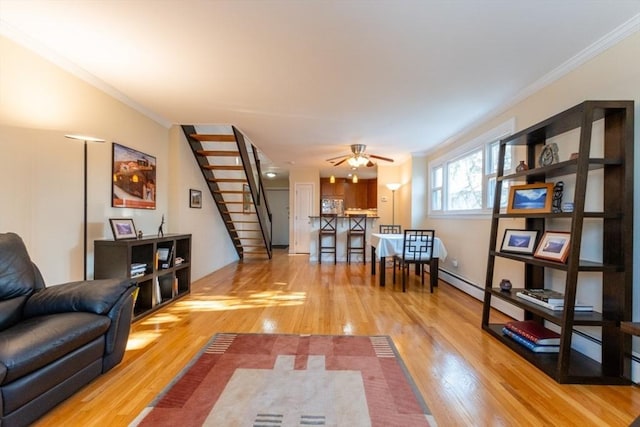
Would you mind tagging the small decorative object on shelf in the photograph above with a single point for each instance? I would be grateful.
(139, 234)
(549, 155)
(567, 207)
(522, 166)
(505, 285)
(160, 230)
(574, 156)
(556, 203)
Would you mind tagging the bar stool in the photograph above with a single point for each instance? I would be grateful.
(357, 233)
(327, 231)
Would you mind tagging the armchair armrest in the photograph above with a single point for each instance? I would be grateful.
(93, 296)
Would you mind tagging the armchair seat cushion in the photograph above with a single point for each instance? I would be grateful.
(38, 341)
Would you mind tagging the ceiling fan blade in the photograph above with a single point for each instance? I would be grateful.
(370, 164)
(341, 161)
(339, 157)
(386, 159)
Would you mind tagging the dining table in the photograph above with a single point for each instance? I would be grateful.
(384, 245)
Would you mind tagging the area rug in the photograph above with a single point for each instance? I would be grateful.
(292, 380)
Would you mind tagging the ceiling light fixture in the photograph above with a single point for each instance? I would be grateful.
(332, 179)
(357, 161)
(354, 179)
(271, 174)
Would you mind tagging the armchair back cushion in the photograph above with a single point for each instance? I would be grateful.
(17, 278)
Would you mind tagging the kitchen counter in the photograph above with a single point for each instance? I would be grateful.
(341, 239)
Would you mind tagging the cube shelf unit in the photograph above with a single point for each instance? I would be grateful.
(161, 282)
(613, 172)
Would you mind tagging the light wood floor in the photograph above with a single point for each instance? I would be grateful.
(466, 377)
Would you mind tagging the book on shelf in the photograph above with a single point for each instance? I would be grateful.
(529, 344)
(555, 307)
(546, 295)
(534, 332)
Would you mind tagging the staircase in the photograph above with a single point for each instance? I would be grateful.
(231, 168)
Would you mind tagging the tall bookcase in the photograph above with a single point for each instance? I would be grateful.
(160, 266)
(609, 173)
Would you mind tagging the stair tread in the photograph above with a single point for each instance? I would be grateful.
(219, 153)
(212, 137)
(227, 180)
(223, 167)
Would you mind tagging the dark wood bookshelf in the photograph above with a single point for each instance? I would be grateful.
(162, 281)
(615, 222)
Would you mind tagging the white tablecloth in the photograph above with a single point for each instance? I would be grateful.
(391, 244)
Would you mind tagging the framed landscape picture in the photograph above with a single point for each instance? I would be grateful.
(519, 241)
(123, 228)
(133, 179)
(554, 246)
(530, 198)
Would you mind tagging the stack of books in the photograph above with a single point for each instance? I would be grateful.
(138, 269)
(533, 336)
(550, 299)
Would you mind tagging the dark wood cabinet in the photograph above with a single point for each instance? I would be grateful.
(357, 195)
(611, 174)
(159, 265)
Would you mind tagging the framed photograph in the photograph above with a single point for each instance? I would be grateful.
(123, 228)
(133, 179)
(246, 198)
(195, 198)
(519, 241)
(554, 246)
(530, 198)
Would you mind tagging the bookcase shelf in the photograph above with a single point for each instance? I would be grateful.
(162, 281)
(613, 171)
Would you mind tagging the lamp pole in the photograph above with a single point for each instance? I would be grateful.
(85, 139)
(393, 187)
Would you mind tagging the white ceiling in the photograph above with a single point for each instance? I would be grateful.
(305, 79)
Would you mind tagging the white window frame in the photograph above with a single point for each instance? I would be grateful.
(484, 141)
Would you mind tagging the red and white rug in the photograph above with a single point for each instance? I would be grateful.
(292, 380)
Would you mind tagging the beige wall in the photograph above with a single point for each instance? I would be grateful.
(611, 75)
(41, 180)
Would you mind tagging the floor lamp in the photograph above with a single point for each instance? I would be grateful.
(393, 187)
(85, 139)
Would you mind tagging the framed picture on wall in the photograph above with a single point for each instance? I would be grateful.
(195, 198)
(133, 179)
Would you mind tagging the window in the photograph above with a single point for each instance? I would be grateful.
(464, 181)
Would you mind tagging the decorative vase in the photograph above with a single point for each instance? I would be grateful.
(522, 166)
(505, 285)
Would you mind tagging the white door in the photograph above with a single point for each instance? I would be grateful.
(303, 208)
(279, 205)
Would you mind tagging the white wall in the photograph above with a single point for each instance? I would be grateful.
(41, 179)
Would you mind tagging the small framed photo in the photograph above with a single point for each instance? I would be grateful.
(123, 228)
(195, 198)
(554, 246)
(530, 198)
(519, 241)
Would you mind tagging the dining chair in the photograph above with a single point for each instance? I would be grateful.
(417, 249)
(327, 231)
(357, 237)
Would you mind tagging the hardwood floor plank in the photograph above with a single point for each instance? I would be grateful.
(466, 377)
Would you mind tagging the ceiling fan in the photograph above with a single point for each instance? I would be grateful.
(358, 157)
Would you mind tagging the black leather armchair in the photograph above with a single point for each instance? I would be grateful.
(54, 340)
